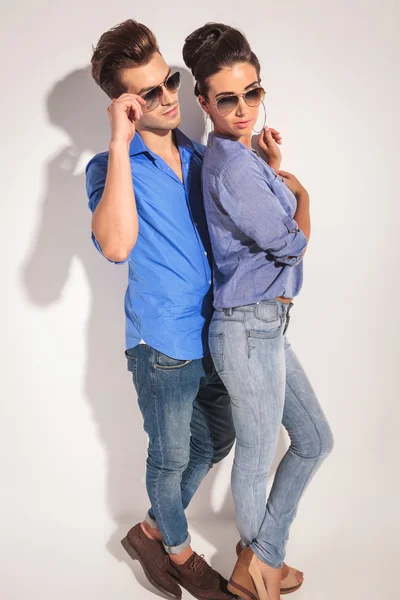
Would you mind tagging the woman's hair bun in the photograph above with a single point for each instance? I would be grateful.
(211, 48)
(201, 41)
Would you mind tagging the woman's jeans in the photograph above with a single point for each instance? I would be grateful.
(188, 419)
(267, 386)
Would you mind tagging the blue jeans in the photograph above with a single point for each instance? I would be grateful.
(267, 386)
(188, 419)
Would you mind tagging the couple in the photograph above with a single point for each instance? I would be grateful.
(208, 353)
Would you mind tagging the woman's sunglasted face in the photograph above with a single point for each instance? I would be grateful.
(153, 97)
(253, 98)
(233, 99)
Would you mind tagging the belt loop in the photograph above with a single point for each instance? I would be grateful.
(287, 319)
(228, 311)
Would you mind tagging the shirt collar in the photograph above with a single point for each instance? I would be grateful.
(138, 146)
(230, 140)
(212, 135)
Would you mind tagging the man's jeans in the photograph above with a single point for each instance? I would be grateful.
(188, 419)
(267, 386)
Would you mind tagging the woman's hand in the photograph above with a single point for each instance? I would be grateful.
(293, 184)
(268, 141)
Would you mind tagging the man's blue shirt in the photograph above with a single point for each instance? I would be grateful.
(168, 302)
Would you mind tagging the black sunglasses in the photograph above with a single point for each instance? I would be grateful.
(153, 96)
(227, 104)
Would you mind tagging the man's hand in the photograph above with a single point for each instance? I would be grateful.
(293, 184)
(123, 112)
(268, 141)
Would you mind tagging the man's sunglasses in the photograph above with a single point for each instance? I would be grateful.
(153, 96)
(227, 104)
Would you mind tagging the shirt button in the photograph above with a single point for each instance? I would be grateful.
(205, 253)
(196, 224)
(209, 281)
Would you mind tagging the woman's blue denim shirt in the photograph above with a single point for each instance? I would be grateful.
(257, 245)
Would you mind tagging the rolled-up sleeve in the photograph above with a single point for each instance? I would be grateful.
(96, 174)
(245, 195)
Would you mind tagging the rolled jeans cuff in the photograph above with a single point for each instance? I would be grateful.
(178, 549)
(149, 519)
(264, 558)
(169, 549)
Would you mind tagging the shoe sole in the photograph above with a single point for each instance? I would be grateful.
(290, 590)
(187, 588)
(240, 591)
(136, 556)
(244, 594)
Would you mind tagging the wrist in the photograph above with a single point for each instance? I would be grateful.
(274, 165)
(119, 145)
(302, 196)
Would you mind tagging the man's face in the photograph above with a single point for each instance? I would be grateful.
(139, 80)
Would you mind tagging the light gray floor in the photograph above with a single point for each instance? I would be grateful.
(87, 563)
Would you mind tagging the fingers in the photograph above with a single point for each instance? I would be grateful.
(137, 112)
(271, 136)
(129, 104)
(284, 174)
(276, 135)
(261, 141)
(131, 96)
(132, 104)
(266, 138)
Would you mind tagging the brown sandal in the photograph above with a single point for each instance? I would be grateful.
(247, 581)
(289, 584)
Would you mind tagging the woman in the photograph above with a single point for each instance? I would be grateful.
(259, 224)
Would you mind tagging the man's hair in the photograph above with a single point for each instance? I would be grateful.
(129, 44)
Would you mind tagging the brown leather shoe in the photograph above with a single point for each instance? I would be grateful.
(198, 578)
(289, 583)
(154, 561)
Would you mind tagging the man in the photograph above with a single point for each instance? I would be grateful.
(145, 195)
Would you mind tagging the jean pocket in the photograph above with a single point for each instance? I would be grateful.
(268, 311)
(163, 361)
(267, 321)
(132, 361)
(131, 357)
(273, 331)
(216, 343)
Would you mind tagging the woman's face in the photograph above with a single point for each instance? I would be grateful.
(240, 121)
